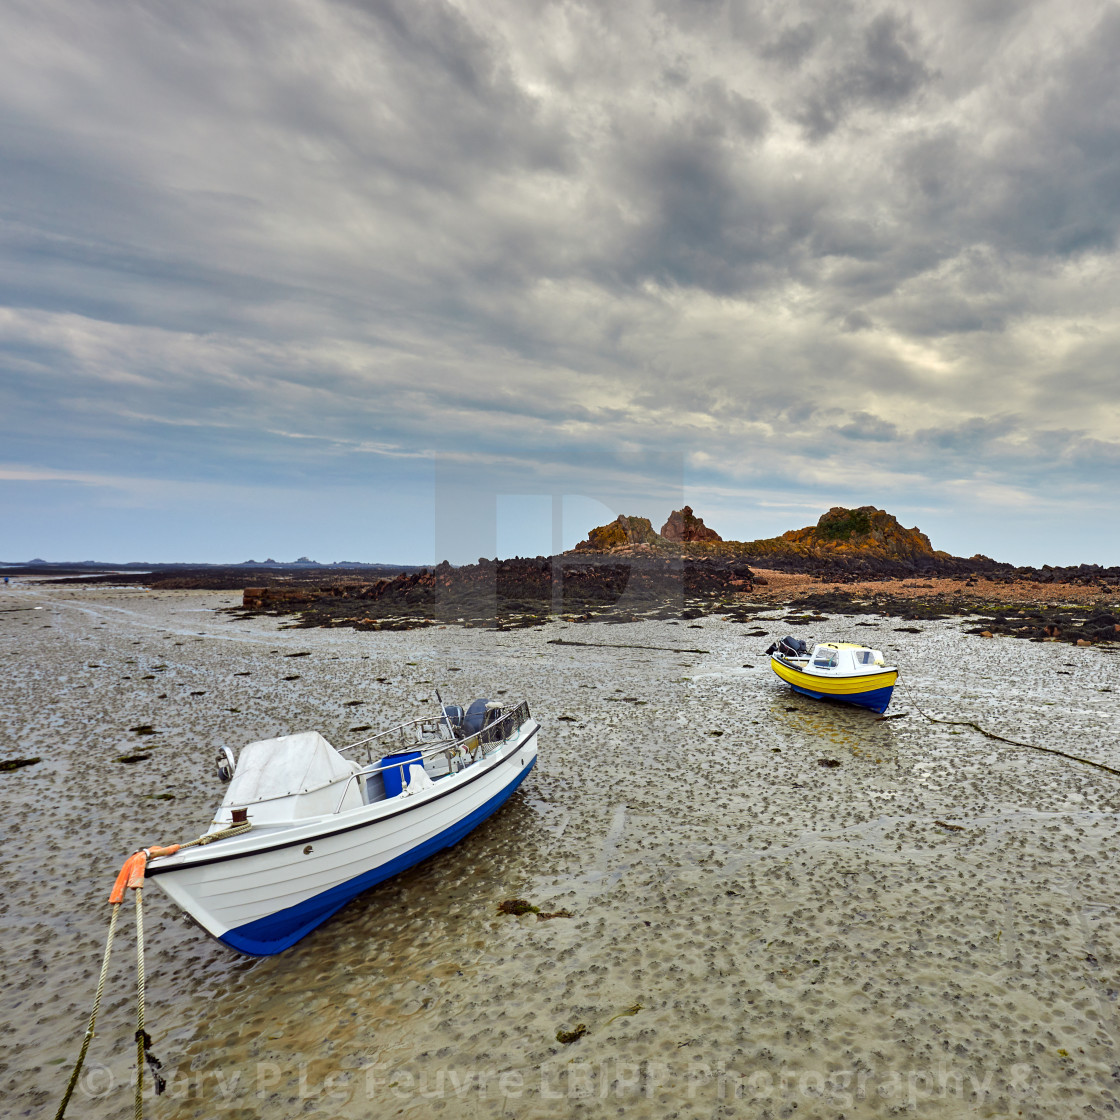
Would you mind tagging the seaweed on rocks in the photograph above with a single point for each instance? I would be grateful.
(9, 764)
(566, 1038)
(517, 907)
(1084, 627)
(513, 594)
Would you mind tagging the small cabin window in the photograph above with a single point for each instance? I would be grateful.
(825, 659)
(864, 657)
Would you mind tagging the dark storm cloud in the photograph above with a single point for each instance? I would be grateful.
(880, 69)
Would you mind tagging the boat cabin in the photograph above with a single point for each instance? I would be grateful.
(845, 659)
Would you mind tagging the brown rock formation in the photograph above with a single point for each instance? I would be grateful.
(843, 542)
(623, 532)
(864, 531)
(685, 527)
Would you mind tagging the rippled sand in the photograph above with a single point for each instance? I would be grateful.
(753, 933)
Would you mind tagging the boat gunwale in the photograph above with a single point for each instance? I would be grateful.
(187, 859)
(877, 671)
(842, 683)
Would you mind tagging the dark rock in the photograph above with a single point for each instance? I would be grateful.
(685, 527)
(17, 763)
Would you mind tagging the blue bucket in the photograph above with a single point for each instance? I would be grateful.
(394, 771)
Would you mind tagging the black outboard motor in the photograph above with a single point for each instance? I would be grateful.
(453, 717)
(790, 646)
(475, 718)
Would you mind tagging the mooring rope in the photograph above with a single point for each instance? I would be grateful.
(92, 1015)
(141, 1036)
(1012, 742)
(222, 834)
(131, 876)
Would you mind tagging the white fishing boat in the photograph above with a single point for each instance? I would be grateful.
(320, 827)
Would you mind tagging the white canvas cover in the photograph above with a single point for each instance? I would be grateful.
(418, 779)
(291, 764)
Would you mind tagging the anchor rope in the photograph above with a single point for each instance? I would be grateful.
(1003, 738)
(131, 876)
(141, 1043)
(93, 1014)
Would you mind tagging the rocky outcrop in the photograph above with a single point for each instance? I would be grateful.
(864, 531)
(622, 532)
(512, 593)
(845, 544)
(864, 535)
(685, 527)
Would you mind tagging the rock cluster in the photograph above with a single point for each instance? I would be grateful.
(865, 531)
(622, 533)
(685, 527)
(1052, 625)
(845, 546)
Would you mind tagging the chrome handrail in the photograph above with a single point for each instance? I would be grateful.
(520, 714)
(391, 731)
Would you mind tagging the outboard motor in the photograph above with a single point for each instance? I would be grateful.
(475, 718)
(453, 717)
(790, 646)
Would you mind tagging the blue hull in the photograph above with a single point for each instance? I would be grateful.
(877, 700)
(281, 930)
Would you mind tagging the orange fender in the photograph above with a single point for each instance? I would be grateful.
(130, 875)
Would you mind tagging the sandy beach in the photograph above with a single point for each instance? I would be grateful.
(753, 933)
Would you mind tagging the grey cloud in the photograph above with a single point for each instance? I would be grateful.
(729, 111)
(594, 225)
(857, 321)
(792, 45)
(971, 436)
(864, 426)
(882, 70)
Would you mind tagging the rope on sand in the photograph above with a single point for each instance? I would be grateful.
(1012, 742)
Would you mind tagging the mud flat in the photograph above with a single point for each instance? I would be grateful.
(751, 930)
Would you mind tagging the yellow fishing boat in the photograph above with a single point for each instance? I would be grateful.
(837, 670)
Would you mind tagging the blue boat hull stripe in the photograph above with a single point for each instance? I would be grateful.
(279, 931)
(877, 699)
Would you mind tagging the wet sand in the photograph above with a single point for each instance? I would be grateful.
(753, 933)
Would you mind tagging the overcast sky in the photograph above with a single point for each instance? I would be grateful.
(299, 277)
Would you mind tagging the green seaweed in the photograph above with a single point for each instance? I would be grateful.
(622, 1014)
(568, 1037)
(854, 522)
(517, 906)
